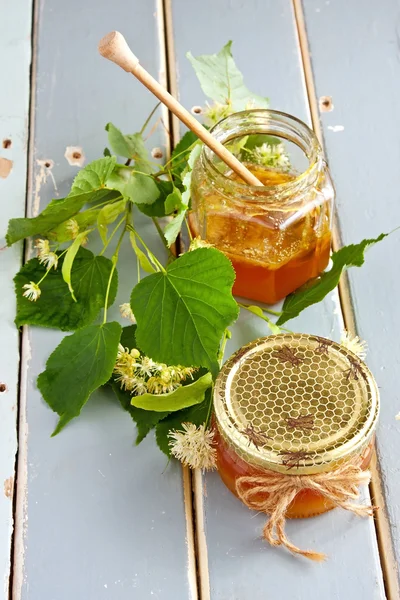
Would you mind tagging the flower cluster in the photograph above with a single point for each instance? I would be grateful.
(140, 374)
(126, 312)
(194, 446)
(272, 155)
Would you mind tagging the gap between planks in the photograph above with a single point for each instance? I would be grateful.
(21, 461)
(168, 78)
(381, 520)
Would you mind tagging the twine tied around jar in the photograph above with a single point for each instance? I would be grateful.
(273, 493)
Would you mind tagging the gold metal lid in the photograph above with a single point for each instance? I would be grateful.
(297, 403)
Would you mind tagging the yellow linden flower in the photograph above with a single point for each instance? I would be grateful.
(197, 242)
(32, 291)
(73, 228)
(194, 446)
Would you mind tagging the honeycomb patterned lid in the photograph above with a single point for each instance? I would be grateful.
(296, 403)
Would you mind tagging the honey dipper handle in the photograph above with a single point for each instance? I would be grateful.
(114, 47)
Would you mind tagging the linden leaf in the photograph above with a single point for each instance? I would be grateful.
(173, 201)
(145, 420)
(94, 176)
(79, 365)
(157, 209)
(55, 307)
(130, 146)
(138, 188)
(181, 152)
(222, 81)
(196, 414)
(182, 312)
(173, 228)
(348, 256)
(55, 213)
(182, 397)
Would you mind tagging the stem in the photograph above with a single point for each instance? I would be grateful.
(271, 324)
(188, 229)
(114, 264)
(227, 336)
(138, 269)
(112, 234)
(161, 234)
(48, 270)
(147, 121)
(188, 149)
(276, 313)
(210, 407)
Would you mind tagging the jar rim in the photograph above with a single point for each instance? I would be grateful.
(314, 154)
(259, 398)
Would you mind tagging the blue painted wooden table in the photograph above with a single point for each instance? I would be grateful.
(87, 515)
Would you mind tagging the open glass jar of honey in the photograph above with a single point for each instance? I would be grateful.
(276, 235)
(294, 420)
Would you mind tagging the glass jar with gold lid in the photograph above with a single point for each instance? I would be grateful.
(276, 235)
(294, 420)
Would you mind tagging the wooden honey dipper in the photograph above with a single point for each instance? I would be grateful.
(115, 48)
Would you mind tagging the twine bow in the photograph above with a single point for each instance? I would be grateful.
(273, 493)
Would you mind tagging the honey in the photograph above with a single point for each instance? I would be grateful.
(277, 235)
(293, 406)
(307, 503)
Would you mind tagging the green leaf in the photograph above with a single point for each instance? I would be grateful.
(143, 259)
(348, 256)
(55, 213)
(187, 175)
(157, 209)
(182, 397)
(145, 420)
(196, 414)
(69, 260)
(173, 201)
(79, 365)
(194, 297)
(173, 228)
(130, 146)
(138, 188)
(107, 215)
(94, 176)
(222, 81)
(181, 152)
(55, 307)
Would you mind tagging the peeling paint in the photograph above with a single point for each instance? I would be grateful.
(75, 156)
(336, 128)
(5, 167)
(9, 487)
(45, 171)
(196, 110)
(7, 143)
(157, 153)
(326, 104)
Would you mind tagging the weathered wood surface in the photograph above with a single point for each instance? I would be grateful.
(97, 517)
(15, 26)
(364, 87)
(240, 565)
(102, 518)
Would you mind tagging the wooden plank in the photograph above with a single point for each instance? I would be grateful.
(15, 27)
(102, 518)
(240, 565)
(362, 85)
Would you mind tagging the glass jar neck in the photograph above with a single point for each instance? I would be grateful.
(270, 123)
